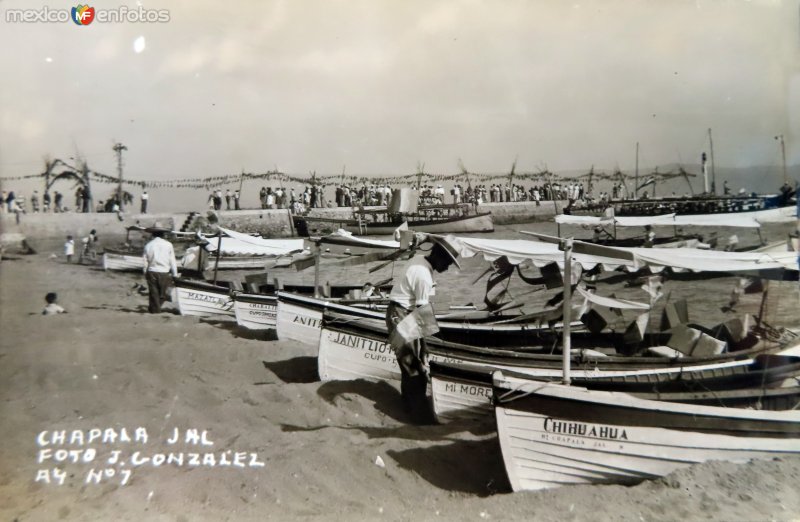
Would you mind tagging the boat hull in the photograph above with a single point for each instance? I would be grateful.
(203, 299)
(464, 391)
(344, 356)
(256, 312)
(122, 262)
(299, 318)
(481, 222)
(239, 263)
(558, 435)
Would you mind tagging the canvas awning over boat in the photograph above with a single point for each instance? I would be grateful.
(752, 219)
(345, 238)
(236, 243)
(588, 255)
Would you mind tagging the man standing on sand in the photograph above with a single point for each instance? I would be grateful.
(411, 292)
(145, 199)
(159, 261)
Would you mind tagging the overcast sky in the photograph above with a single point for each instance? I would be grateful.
(380, 85)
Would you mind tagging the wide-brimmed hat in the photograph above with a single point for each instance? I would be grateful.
(450, 245)
(157, 227)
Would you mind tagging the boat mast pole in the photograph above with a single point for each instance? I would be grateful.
(567, 310)
(317, 254)
(636, 176)
(219, 250)
(779, 137)
(705, 172)
(713, 173)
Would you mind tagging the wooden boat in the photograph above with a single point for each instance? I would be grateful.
(554, 435)
(122, 260)
(300, 319)
(345, 344)
(231, 250)
(464, 390)
(255, 311)
(434, 219)
(260, 311)
(203, 299)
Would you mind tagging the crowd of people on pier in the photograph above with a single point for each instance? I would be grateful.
(314, 196)
(303, 197)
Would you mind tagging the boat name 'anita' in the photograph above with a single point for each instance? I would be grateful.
(308, 321)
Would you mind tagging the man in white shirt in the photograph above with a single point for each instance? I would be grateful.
(412, 290)
(145, 198)
(159, 261)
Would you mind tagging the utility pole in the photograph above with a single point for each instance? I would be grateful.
(118, 148)
(636, 178)
(87, 188)
(779, 137)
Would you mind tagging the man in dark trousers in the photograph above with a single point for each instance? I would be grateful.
(411, 291)
(159, 261)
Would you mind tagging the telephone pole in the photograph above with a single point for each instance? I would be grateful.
(118, 148)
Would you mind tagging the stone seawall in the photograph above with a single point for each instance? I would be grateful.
(50, 230)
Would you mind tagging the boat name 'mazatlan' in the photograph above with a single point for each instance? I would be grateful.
(353, 341)
(584, 430)
(205, 297)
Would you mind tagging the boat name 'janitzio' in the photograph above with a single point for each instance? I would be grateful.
(585, 430)
(353, 341)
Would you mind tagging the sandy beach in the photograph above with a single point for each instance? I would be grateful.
(92, 399)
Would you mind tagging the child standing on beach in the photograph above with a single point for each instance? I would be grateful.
(88, 251)
(69, 249)
(52, 308)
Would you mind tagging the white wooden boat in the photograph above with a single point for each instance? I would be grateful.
(255, 311)
(236, 251)
(553, 435)
(122, 262)
(299, 317)
(203, 299)
(435, 219)
(360, 351)
(345, 356)
(464, 391)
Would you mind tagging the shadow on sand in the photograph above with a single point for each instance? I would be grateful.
(141, 309)
(386, 399)
(298, 370)
(241, 332)
(473, 467)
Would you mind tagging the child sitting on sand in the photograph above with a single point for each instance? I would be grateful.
(52, 308)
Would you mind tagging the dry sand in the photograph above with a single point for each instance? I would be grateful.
(108, 365)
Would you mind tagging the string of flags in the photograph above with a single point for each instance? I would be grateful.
(212, 182)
